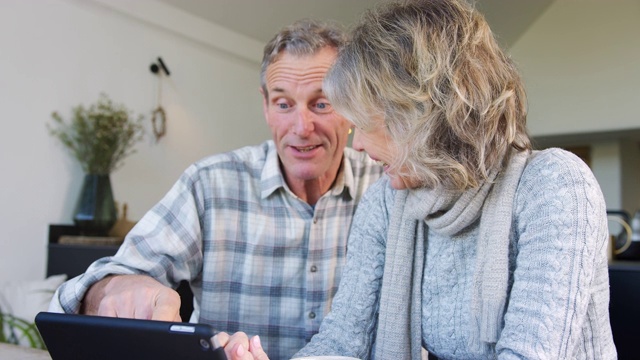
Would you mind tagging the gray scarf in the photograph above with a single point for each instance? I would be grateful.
(399, 332)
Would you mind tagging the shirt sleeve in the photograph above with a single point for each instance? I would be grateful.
(560, 281)
(349, 329)
(165, 244)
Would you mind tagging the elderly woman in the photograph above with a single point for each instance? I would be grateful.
(474, 246)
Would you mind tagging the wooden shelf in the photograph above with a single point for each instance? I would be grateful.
(72, 259)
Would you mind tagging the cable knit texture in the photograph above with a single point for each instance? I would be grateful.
(556, 306)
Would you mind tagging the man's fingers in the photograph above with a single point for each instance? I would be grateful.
(167, 306)
(165, 314)
(133, 296)
(108, 311)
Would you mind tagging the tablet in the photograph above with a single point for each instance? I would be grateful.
(70, 336)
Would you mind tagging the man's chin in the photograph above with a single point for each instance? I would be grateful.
(305, 172)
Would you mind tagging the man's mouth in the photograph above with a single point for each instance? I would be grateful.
(304, 149)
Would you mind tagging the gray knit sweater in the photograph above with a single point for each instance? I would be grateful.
(557, 279)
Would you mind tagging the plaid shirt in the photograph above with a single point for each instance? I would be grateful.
(259, 259)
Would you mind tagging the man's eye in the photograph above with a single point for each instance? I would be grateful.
(323, 106)
(282, 106)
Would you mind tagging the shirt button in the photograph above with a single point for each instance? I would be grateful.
(312, 315)
(314, 268)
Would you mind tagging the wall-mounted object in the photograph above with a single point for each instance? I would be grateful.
(160, 65)
(159, 116)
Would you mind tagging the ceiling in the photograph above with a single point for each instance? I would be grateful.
(260, 19)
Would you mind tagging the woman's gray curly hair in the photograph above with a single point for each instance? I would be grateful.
(450, 98)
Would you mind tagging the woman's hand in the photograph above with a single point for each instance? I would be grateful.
(239, 347)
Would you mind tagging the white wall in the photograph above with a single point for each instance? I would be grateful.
(581, 64)
(57, 54)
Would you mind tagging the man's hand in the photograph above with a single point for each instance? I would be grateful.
(132, 296)
(240, 347)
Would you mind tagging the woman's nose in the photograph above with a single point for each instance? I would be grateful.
(356, 143)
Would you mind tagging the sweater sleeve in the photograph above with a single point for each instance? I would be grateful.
(559, 297)
(349, 329)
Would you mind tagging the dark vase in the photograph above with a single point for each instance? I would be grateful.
(95, 211)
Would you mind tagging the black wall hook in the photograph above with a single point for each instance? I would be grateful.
(155, 68)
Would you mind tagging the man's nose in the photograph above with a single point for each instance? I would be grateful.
(303, 123)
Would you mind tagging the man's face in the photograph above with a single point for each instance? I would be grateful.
(309, 135)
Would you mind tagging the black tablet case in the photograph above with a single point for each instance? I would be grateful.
(70, 336)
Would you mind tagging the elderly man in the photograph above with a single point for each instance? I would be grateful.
(260, 232)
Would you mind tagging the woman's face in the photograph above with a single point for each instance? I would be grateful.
(381, 148)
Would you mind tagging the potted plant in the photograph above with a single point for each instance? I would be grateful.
(14, 330)
(100, 137)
